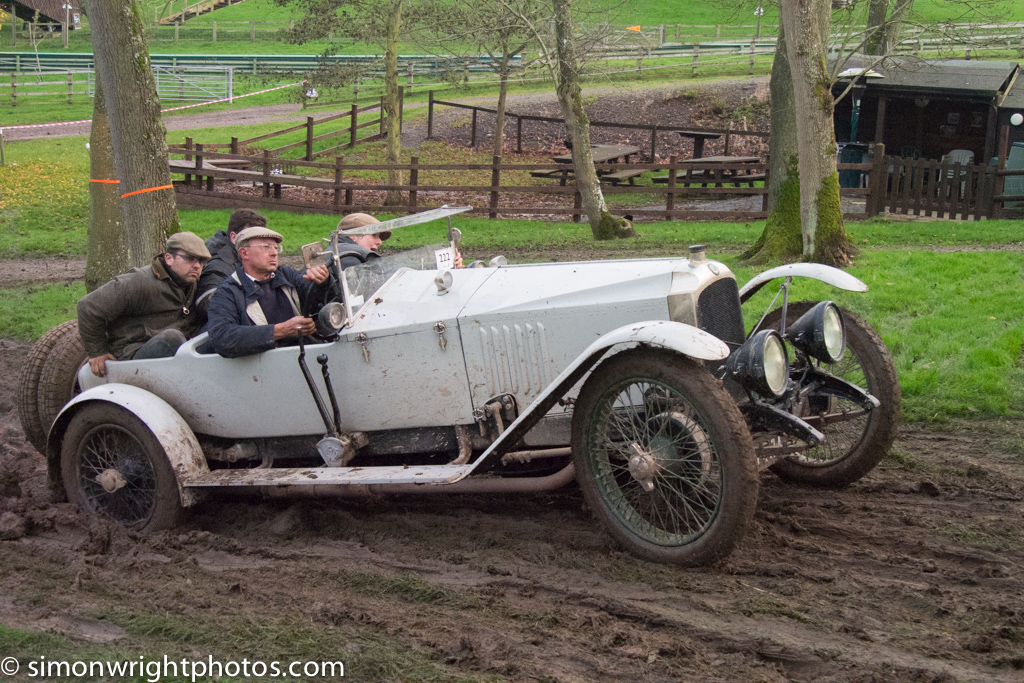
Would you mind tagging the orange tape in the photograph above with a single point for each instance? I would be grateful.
(113, 182)
(148, 189)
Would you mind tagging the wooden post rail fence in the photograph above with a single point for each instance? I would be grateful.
(343, 191)
(654, 128)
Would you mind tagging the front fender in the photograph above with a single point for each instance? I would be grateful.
(679, 337)
(833, 276)
(169, 428)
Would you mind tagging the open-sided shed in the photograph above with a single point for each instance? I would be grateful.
(928, 108)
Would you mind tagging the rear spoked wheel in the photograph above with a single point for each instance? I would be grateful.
(114, 467)
(664, 458)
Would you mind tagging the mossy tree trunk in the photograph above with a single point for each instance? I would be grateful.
(107, 249)
(391, 102)
(567, 86)
(780, 240)
(821, 218)
(882, 28)
(137, 133)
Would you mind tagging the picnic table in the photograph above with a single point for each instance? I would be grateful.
(698, 138)
(715, 171)
(602, 154)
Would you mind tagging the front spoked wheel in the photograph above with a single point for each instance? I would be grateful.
(664, 457)
(855, 439)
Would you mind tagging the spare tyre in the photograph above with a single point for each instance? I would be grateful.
(28, 383)
(58, 382)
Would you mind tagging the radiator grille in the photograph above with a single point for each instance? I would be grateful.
(718, 311)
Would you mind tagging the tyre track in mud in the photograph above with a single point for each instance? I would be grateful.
(912, 574)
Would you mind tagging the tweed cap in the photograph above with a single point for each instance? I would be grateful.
(188, 242)
(361, 220)
(254, 232)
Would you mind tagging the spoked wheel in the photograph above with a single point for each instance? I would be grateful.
(114, 467)
(855, 440)
(664, 457)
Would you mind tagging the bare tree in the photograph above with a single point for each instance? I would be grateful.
(883, 28)
(780, 240)
(107, 249)
(563, 63)
(492, 28)
(376, 22)
(137, 134)
(821, 216)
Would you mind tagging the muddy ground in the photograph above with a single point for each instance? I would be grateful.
(912, 574)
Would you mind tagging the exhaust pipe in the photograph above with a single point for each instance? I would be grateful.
(490, 485)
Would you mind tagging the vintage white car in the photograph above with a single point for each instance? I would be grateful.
(634, 377)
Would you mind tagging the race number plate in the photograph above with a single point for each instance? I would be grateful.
(445, 258)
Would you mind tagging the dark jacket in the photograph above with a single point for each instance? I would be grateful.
(125, 313)
(223, 262)
(237, 325)
(352, 254)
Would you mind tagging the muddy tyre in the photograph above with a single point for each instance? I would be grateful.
(664, 458)
(113, 466)
(28, 384)
(852, 448)
(58, 382)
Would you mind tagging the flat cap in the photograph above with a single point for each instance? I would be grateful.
(361, 220)
(253, 233)
(188, 242)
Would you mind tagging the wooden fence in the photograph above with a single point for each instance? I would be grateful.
(340, 192)
(655, 128)
(236, 146)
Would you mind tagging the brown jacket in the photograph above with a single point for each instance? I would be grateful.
(125, 313)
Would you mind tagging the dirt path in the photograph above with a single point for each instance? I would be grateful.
(913, 574)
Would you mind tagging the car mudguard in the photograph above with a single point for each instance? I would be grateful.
(816, 271)
(679, 337)
(169, 428)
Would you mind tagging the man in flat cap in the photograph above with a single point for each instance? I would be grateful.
(225, 256)
(261, 304)
(148, 312)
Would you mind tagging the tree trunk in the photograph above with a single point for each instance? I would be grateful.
(394, 138)
(137, 133)
(780, 240)
(499, 117)
(107, 249)
(883, 29)
(602, 224)
(821, 216)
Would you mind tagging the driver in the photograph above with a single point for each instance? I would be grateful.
(260, 304)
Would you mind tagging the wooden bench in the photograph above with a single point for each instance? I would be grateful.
(562, 174)
(704, 179)
(619, 176)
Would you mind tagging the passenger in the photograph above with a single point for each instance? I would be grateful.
(261, 303)
(356, 249)
(225, 256)
(148, 312)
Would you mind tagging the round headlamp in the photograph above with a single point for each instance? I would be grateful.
(820, 333)
(330, 319)
(761, 365)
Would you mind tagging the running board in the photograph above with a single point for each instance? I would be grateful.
(330, 476)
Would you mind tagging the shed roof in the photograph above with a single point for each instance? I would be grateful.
(1015, 95)
(49, 10)
(934, 76)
